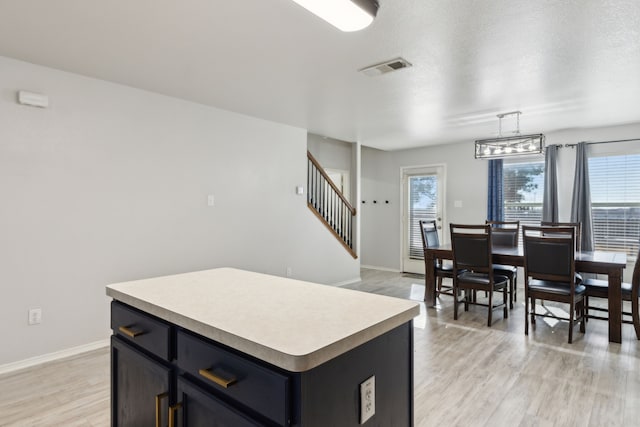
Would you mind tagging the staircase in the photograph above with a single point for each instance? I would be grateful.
(328, 203)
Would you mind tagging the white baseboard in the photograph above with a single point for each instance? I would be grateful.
(50, 357)
(373, 267)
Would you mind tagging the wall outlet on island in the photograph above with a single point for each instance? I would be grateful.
(367, 399)
(35, 316)
(289, 271)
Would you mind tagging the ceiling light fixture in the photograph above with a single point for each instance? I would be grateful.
(508, 146)
(346, 15)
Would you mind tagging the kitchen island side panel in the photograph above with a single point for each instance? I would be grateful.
(329, 395)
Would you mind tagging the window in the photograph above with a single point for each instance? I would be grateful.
(615, 202)
(423, 205)
(523, 187)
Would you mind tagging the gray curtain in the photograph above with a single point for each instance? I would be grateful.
(581, 201)
(495, 200)
(550, 196)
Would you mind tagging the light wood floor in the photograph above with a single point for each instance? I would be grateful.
(71, 392)
(466, 374)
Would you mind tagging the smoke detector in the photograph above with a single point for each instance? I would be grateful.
(386, 67)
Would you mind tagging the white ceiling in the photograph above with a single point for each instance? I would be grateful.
(563, 63)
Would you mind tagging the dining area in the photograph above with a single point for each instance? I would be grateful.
(480, 264)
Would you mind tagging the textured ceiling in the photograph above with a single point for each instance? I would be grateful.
(563, 63)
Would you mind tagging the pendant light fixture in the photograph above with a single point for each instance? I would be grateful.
(346, 15)
(508, 146)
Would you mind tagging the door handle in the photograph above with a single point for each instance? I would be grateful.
(173, 410)
(159, 398)
(221, 381)
(130, 332)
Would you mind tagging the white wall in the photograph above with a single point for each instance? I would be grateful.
(466, 181)
(335, 154)
(381, 181)
(110, 184)
(331, 153)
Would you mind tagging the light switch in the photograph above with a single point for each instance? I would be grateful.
(299, 190)
(457, 204)
(210, 200)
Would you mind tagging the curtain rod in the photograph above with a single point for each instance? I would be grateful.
(603, 142)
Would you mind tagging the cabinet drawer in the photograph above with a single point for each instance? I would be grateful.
(256, 387)
(146, 331)
(201, 409)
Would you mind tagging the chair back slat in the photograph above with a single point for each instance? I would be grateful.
(549, 253)
(506, 238)
(471, 245)
(429, 232)
(471, 251)
(504, 233)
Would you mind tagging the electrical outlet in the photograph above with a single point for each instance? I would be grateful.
(367, 399)
(35, 316)
(289, 272)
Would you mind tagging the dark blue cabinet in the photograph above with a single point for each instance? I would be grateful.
(162, 371)
(200, 408)
(140, 387)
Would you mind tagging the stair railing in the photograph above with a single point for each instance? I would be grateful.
(329, 204)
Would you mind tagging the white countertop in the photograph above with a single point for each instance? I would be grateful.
(292, 324)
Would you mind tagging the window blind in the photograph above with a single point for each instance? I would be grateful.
(423, 204)
(523, 187)
(615, 202)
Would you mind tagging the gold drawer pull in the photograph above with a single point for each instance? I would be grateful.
(172, 413)
(224, 382)
(129, 332)
(159, 398)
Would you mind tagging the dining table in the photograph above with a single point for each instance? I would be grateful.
(600, 262)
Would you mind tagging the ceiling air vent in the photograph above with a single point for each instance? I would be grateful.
(386, 67)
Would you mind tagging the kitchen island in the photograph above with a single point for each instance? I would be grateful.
(244, 348)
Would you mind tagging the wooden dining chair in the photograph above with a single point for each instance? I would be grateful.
(473, 269)
(505, 233)
(430, 239)
(549, 268)
(600, 289)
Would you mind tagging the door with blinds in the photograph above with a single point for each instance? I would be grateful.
(423, 191)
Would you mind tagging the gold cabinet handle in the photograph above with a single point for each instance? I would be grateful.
(159, 398)
(224, 382)
(129, 332)
(172, 413)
